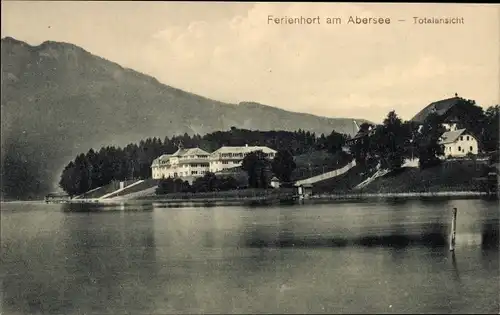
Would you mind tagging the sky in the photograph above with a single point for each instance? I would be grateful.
(230, 52)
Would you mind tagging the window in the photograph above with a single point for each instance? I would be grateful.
(470, 148)
(194, 172)
(459, 148)
(467, 138)
(461, 138)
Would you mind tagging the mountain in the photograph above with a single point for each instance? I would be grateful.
(59, 100)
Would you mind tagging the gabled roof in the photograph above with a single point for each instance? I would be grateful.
(245, 149)
(451, 136)
(179, 153)
(190, 151)
(440, 108)
(364, 133)
(162, 158)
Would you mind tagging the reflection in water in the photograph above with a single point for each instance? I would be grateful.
(105, 207)
(284, 232)
(341, 258)
(88, 262)
(489, 235)
(455, 266)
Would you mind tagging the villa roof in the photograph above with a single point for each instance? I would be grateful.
(451, 136)
(245, 149)
(440, 108)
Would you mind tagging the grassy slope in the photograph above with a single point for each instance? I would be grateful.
(148, 183)
(104, 190)
(343, 183)
(450, 176)
(318, 162)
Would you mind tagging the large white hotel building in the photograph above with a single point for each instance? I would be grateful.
(195, 162)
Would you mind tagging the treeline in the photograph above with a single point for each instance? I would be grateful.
(395, 140)
(98, 168)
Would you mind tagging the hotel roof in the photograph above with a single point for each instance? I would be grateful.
(245, 149)
(191, 151)
(162, 158)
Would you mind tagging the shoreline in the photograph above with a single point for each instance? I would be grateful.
(270, 200)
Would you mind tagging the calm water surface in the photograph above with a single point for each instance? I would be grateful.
(377, 257)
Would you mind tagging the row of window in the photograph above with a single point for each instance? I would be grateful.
(195, 165)
(462, 138)
(460, 149)
(195, 157)
(240, 155)
(180, 174)
(186, 173)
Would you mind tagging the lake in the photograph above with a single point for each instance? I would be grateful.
(351, 257)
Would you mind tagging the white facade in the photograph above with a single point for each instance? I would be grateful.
(195, 162)
(458, 143)
(230, 157)
(190, 163)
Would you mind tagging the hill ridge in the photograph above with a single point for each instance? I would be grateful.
(59, 100)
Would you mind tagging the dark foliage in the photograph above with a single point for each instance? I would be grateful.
(283, 165)
(258, 169)
(208, 183)
(427, 142)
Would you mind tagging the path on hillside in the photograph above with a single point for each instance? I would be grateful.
(143, 193)
(327, 175)
(121, 189)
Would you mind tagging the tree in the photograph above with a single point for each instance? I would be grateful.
(169, 185)
(68, 181)
(392, 140)
(256, 166)
(491, 131)
(427, 141)
(335, 141)
(283, 165)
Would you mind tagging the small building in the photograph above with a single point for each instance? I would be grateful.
(362, 135)
(275, 182)
(57, 197)
(304, 191)
(458, 143)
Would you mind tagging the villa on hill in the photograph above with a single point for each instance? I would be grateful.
(362, 134)
(458, 143)
(191, 163)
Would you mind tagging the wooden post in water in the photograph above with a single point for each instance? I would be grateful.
(453, 229)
